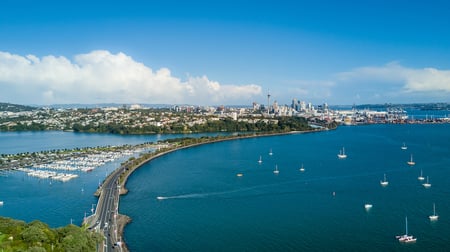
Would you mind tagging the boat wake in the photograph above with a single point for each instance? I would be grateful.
(210, 194)
(184, 196)
(256, 190)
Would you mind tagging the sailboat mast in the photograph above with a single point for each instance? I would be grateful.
(406, 227)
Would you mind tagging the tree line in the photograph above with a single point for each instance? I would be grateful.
(280, 124)
(36, 236)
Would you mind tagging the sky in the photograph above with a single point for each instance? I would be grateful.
(224, 52)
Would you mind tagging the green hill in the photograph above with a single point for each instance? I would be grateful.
(15, 107)
(16, 235)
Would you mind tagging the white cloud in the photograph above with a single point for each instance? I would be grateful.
(410, 79)
(100, 76)
(391, 82)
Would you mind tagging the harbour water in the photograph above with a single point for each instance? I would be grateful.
(54, 202)
(205, 206)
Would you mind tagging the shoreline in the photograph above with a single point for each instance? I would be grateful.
(123, 220)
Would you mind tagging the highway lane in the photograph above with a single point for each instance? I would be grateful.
(105, 218)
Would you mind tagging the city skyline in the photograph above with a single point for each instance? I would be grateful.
(224, 52)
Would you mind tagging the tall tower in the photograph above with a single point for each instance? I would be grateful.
(268, 103)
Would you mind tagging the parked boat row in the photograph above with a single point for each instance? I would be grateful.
(43, 174)
(75, 163)
(84, 163)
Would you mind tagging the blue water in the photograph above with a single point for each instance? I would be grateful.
(57, 203)
(208, 208)
(29, 141)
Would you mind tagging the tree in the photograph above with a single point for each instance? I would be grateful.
(33, 235)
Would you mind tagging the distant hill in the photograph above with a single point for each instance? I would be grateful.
(15, 107)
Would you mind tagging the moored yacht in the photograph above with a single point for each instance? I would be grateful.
(427, 184)
(342, 154)
(411, 162)
(384, 182)
(302, 169)
(406, 238)
(276, 171)
(404, 147)
(434, 216)
(421, 177)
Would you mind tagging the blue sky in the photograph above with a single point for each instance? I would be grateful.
(224, 52)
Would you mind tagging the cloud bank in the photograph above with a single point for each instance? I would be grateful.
(103, 77)
(390, 83)
(411, 80)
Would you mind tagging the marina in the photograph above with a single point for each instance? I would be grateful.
(337, 187)
(79, 163)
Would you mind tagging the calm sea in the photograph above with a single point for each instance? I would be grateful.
(57, 203)
(206, 207)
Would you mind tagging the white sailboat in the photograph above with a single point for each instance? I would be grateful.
(270, 152)
(302, 169)
(384, 182)
(411, 162)
(406, 238)
(276, 171)
(342, 154)
(260, 159)
(434, 216)
(427, 184)
(404, 147)
(421, 177)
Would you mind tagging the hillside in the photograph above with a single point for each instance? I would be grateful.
(15, 107)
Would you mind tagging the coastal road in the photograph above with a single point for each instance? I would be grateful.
(105, 217)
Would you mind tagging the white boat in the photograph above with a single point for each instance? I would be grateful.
(239, 174)
(260, 160)
(302, 169)
(161, 198)
(434, 216)
(427, 184)
(342, 154)
(1, 203)
(421, 177)
(406, 238)
(276, 171)
(404, 147)
(368, 206)
(411, 162)
(384, 182)
(270, 152)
